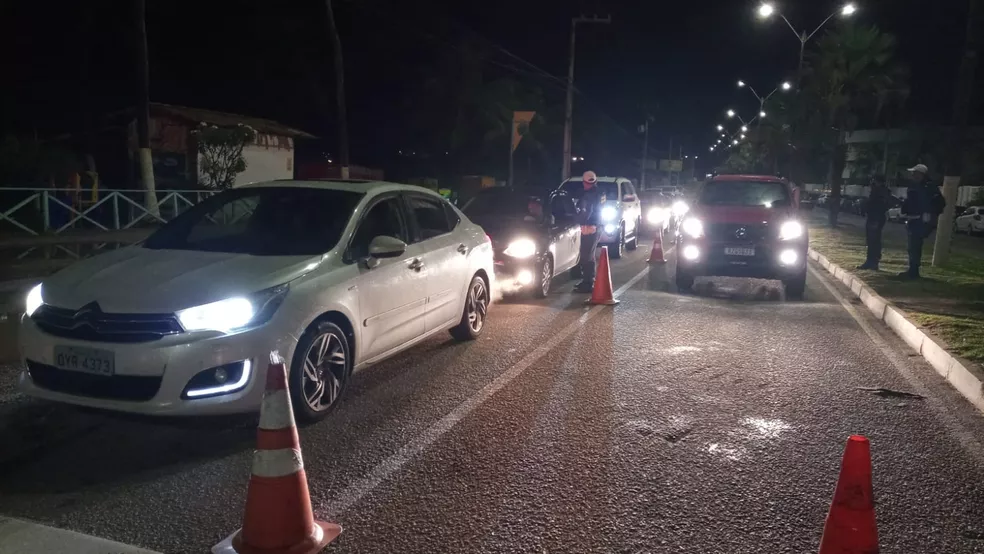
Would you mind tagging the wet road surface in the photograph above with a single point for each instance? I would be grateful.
(711, 422)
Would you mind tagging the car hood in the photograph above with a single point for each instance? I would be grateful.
(743, 215)
(141, 280)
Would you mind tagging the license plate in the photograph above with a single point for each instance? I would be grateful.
(87, 360)
(736, 251)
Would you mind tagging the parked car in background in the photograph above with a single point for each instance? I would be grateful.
(333, 275)
(894, 213)
(621, 213)
(970, 221)
(533, 241)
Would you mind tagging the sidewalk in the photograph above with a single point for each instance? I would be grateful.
(948, 302)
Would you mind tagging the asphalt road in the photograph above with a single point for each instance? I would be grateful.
(707, 423)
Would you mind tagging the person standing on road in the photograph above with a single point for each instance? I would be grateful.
(879, 200)
(589, 212)
(923, 204)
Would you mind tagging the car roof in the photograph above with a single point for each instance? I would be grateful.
(743, 177)
(600, 179)
(349, 185)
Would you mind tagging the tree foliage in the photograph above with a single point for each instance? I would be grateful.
(221, 150)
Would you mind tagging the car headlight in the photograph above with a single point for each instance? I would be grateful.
(235, 313)
(680, 208)
(33, 300)
(656, 216)
(693, 227)
(521, 248)
(791, 230)
(608, 213)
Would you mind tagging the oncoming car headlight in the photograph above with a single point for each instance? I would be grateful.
(656, 216)
(679, 208)
(693, 227)
(791, 230)
(608, 213)
(233, 314)
(33, 301)
(521, 248)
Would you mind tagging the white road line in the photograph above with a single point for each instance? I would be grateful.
(360, 488)
(967, 439)
(19, 537)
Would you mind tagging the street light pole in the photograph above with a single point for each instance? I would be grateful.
(645, 154)
(766, 10)
(569, 109)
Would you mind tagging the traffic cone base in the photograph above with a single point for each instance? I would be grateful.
(850, 527)
(322, 534)
(656, 255)
(602, 292)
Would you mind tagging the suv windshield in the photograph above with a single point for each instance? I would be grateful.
(262, 221)
(744, 193)
(498, 202)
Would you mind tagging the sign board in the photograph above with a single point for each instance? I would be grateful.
(671, 165)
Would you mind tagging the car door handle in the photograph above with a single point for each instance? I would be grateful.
(416, 265)
(462, 249)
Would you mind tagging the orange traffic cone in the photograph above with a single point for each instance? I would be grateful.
(850, 526)
(278, 518)
(656, 256)
(602, 292)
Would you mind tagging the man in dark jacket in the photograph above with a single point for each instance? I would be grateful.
(879, 201)
(920, 209)
(589, 212)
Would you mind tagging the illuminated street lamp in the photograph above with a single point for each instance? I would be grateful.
(743, 136)
(762, 115)
(766, 10)
(744, 128)
(731, 113)
(735, 142)
(741, 83)
(720, 127)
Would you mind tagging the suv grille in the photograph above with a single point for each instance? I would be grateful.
(732, 232)
(116, 387)
(89, 323)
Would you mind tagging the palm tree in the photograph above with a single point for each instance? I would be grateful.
(848, 75)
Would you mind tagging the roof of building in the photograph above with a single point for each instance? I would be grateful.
(223, 119)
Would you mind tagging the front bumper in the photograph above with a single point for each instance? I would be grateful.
(156, 372)
(714, 260)
(514, 274)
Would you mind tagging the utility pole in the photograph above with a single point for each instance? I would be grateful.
(342, 121)
(958, 130)
(143, 112)
(645, 154)
(569, 109)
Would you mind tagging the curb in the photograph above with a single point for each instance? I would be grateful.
(955, 371)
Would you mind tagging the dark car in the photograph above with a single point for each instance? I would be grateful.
(533, 240)
(743, 226)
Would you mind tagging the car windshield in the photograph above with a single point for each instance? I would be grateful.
(744, 193)
(262, 221)
(607, 188)
(500, 202)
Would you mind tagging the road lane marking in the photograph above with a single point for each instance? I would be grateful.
(967, 441)
(18, 536)
(364, 485)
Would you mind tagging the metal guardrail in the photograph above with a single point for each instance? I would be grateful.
(51, 211)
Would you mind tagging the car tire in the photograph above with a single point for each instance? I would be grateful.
(474, 314)
(634, 243)
(618, 247)
(544, 278)
(795, 287)
(332, 375)
(684, 281)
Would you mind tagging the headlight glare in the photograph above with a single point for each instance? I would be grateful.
(608, 213)
(791, 230)
(656, 216)
(693, 227)
(33, 301)
(521, 248)
(224, 315)
(679, 208)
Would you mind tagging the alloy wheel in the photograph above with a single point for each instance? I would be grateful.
(478, 305)
(546, 274)
(324, 371)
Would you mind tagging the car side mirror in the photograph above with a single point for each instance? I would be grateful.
(383, 247)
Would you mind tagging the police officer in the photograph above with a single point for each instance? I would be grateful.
(589, 211)
(919, 210)
(878, 204)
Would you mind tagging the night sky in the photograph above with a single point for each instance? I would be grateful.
(678, 60)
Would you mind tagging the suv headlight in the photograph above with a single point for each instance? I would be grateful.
(520, 248)
(680, 208)
(790, 230)
(33, 300)
(693, 227)
(233, 314)
(608, 213)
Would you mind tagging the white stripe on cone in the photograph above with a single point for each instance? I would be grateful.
(275, 411)
(277, 463)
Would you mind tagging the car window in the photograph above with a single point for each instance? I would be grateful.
(627, 189)
(385, 218)
(562, 206)
(745, 193)
(261, 221)
(453, 218)
(430, 217)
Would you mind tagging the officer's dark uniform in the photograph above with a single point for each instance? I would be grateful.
(918, 212)
(878, 204)
(589, 212)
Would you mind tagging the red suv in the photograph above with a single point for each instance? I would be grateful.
(744, 226)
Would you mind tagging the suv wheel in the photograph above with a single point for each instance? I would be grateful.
(618, 247)
(684, 281)
(795, 286)
(634, 243)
